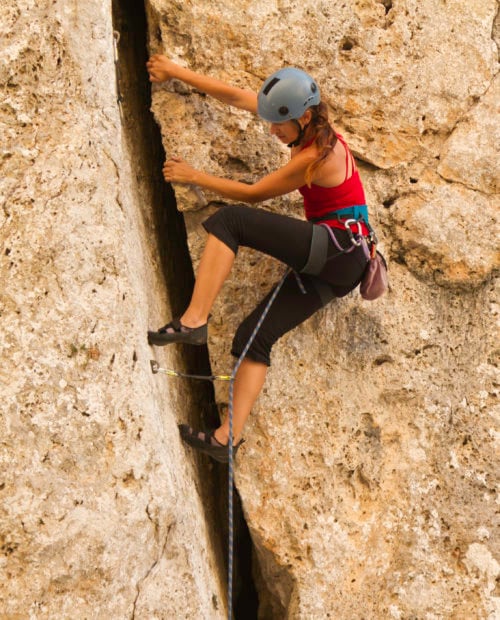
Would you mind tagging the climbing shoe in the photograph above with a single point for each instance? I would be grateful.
(207, 443)
(176, 332)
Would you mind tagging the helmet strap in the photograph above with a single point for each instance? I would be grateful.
(302, 131)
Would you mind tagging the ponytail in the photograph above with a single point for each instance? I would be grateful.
(324, 136)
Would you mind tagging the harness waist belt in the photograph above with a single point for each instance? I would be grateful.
(349, 213)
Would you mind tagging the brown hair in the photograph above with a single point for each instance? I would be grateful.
(323, 134)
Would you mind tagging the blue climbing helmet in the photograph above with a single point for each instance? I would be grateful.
(286, 95)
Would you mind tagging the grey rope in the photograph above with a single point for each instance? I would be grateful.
(230, 442)
(155, 368)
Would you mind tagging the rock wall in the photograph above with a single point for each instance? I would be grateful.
(100, 514)
(377, 430)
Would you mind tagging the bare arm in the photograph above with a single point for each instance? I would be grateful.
(283, 181)
(160, 69)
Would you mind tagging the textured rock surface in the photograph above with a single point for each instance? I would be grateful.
(99, 516)
(470, 156)
(369, 476)
(377, 429)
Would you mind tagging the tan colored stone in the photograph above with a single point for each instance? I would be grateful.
(471, 155)
(368, 473)
(449, 235)
(368, 476)
(97, 501)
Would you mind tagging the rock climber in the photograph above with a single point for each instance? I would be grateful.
(321, 249)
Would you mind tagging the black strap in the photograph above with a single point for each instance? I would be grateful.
(175, 324)
(302, 131)
(318, 251)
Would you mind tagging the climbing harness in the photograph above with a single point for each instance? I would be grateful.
(374, 282)
(155, 368)
(357, 239)
(356, 212)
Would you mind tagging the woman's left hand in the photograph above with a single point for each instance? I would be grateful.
(176, 170)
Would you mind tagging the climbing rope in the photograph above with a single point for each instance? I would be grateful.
(155, 368)
(230, 442)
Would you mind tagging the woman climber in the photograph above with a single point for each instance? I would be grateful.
(323, 249)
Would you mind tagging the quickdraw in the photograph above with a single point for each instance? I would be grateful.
(155, 369)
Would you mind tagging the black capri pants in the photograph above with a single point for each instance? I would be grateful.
(305, 247)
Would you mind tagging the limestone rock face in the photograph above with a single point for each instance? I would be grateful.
(368, 477)
(449, 234)
(99, 516)
(470, 155)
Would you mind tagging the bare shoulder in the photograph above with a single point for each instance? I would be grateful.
(307, 154)
(333, 169)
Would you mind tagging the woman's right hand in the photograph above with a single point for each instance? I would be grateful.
(161, 68)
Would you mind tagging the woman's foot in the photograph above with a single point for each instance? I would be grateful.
(175, 331)
(207, 443)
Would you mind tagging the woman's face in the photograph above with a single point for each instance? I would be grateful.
(286, 132)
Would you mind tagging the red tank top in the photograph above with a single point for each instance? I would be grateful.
(318, 200)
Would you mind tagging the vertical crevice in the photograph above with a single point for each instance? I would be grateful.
(160, 214)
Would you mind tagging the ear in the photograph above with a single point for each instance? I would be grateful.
(305, 119)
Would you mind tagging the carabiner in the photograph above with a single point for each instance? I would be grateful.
(347, 225)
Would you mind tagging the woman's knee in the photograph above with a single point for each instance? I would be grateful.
(232, 215)
(259, 350)
(225, 224)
